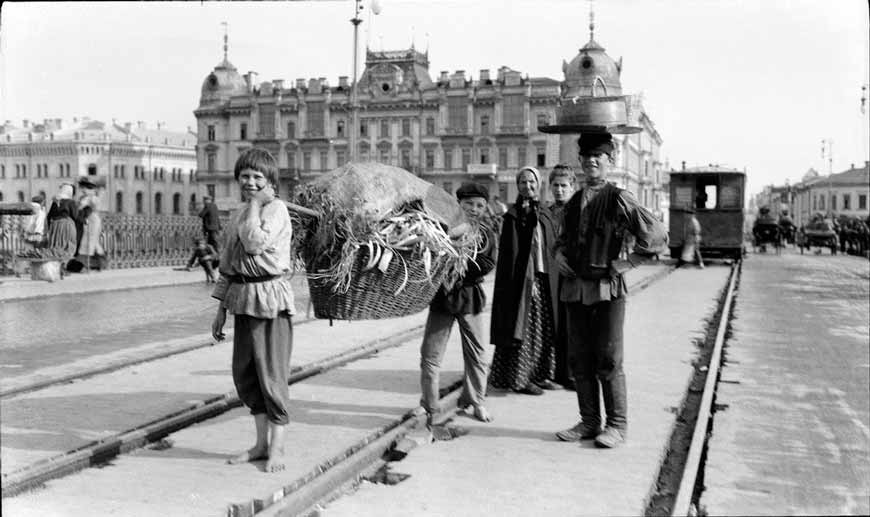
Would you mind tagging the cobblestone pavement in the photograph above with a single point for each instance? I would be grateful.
(794, 434)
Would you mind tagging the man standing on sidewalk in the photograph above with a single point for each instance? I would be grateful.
(597, 218)
(211, 223)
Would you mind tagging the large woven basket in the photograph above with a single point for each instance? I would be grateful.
(372, 294)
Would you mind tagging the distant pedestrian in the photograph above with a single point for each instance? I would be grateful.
(563, 182)
(35, 229)
(463, 304)
(211, 222)
(254, 287)
(522, 325)
(206, 256)
(597, 218)
(691, 253)
(91, 252)
(62, 215)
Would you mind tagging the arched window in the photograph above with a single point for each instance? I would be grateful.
(158, 203)
(191, 208)
(92, 169)
(20, 197)
(139, 202)
(119, 202)
(176, 203)
(1, 196)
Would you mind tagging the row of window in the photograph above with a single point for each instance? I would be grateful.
(63, 170)
(819, 202)
(457, 120)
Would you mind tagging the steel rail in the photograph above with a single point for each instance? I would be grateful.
(683, 500)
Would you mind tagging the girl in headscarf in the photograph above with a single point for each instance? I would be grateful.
(61, 223)
(522, 324)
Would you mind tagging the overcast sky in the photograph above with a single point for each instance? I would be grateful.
(755, 84)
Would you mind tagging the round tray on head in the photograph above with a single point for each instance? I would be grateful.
(611, 114)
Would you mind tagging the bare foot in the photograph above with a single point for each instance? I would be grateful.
(275, 462)
(255, 453)
(482, 414)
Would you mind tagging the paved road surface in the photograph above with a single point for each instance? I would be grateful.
(795, 436)
(50, 331)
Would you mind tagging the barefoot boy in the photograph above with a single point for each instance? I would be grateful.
(253, 286)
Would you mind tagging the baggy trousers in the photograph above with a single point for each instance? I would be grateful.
(261, 362)
(595, 347)
(437, 333)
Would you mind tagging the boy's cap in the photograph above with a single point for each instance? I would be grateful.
(592, 144)
(471, 189)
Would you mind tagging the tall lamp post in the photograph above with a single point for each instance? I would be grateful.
(828, 152)
(354, 122)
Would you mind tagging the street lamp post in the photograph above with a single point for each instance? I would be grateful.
(354, 122)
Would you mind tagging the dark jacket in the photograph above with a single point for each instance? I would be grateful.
(467, 296)
(210, 218)
(514, 250)
(206, 253)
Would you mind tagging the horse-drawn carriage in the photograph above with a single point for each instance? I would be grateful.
(764, 233)
(819, 233)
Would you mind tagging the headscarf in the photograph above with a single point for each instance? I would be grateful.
(527, 208)
(65, 191)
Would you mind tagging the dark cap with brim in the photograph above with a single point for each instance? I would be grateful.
(471, 189)
(592, 144)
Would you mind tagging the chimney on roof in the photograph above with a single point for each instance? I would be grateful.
(159, 125)
(852, 166)
(278, 84)
(684, 165)
(300, 84)
(140, 124)
(444, 76)
(25, 123)
(484, 76)
(342, 82)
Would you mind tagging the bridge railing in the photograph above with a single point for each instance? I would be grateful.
(128, 240)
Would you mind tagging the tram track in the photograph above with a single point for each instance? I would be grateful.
(677, 489)
(322, 480)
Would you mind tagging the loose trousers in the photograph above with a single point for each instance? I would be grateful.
(261, 363)
(595, 341)
(437, 333)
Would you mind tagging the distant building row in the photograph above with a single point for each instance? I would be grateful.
(846, 193)
(145, 170)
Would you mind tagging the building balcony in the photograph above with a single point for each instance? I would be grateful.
(457, 131)
(514, 130)
(482, 169)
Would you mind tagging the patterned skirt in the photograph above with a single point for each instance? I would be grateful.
(535, 359)
(62, 238)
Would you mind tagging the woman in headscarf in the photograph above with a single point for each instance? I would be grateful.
(61, 223)
(92, 225)
(522, 323)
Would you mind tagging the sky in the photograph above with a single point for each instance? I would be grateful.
(754, 84)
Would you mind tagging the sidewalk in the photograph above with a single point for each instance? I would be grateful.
(12, 288)
(334, 410)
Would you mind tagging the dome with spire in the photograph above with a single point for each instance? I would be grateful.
(222, 83)
(592, 72)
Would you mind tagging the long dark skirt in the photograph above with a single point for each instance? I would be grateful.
(62, 238)
(535, 359)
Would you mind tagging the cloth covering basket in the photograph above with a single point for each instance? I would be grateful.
(372, 294)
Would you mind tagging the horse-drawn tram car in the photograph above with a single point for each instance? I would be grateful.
(714, 195)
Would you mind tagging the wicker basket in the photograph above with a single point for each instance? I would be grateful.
(372, 294)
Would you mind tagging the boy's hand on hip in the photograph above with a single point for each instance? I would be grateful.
(565, 269)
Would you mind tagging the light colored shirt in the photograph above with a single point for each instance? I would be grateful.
(257, 250)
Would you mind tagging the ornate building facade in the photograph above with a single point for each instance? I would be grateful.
(145, 170)
(446, 130)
